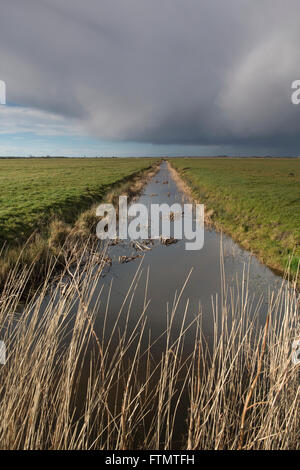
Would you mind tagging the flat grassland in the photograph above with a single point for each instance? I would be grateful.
(34, 191)
(257, 201)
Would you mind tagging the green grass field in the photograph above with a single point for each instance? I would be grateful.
(33, 191)
(257, 201)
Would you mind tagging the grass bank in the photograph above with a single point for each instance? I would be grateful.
(49, 204)
(256, 201)
(34, 191)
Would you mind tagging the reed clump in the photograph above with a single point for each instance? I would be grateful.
(66, 385)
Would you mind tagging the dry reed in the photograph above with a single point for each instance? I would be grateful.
(65, 386)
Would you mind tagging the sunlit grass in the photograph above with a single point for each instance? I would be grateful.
(34, 191)
(257, 201)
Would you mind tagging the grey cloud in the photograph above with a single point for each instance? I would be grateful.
(204, 72)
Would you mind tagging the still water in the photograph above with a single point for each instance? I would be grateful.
(163, 271)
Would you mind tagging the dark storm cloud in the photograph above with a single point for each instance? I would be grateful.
(160, 71)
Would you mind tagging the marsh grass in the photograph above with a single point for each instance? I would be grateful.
(65, 386)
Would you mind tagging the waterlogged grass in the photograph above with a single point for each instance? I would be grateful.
(34, 191)
(257, 201)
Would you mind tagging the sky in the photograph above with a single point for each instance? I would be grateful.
(149, 77)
